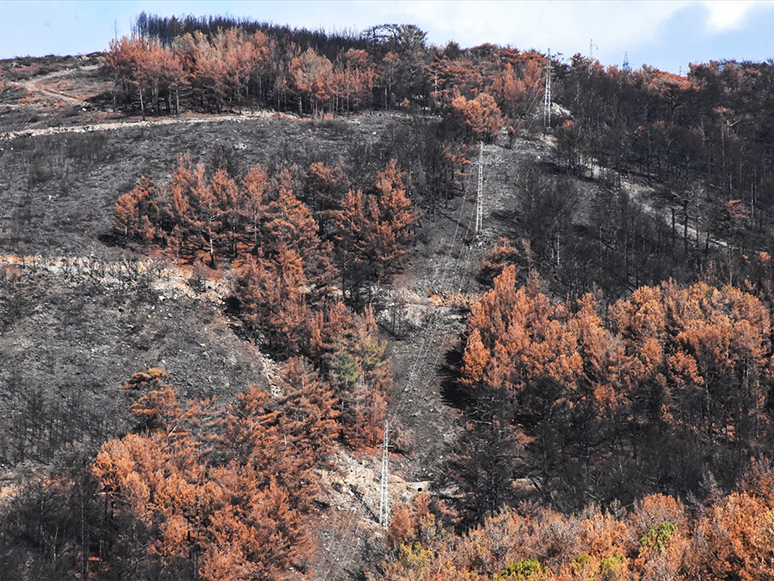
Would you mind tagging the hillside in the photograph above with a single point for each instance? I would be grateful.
(583, 360)
(82, 312)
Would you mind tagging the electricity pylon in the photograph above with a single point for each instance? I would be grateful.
(384, 501)
(547, 94)
(480, 192)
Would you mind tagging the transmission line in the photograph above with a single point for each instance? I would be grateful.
(449, 273)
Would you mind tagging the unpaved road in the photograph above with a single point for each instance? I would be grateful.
(117, 125)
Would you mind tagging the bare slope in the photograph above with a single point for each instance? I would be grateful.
(69, 340)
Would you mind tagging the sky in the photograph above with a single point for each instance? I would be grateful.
(666, 35)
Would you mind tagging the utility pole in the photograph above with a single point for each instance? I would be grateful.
(591, 53)
(480, 191)
(384, 501)
(547, 95)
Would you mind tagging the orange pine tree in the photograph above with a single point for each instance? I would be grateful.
(477, 119)
(137, 213)
(219, 493)
(373, 231)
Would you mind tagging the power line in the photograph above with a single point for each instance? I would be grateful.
(421, 360)
(357, 517)
(420, 379)
(428, 337)
(450, 273)
(415, 378)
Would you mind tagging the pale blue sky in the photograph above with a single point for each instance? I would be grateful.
(667, 35)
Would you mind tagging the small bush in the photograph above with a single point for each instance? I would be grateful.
(523, 570)
(612, 568)
(658, 536)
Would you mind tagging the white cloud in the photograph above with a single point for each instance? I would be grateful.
(725, 16)
(562, 26)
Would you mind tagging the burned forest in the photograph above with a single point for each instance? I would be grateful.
(287, 304)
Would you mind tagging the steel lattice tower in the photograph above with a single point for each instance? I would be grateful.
(547, 94)
(480, 192)
(384, 501)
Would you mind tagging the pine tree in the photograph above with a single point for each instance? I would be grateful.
(373, 231)
(137, 213)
